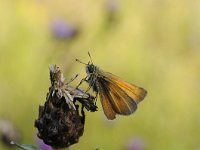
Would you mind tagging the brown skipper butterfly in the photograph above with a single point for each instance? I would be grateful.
(117, 96)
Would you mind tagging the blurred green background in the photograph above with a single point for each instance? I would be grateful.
(153, 43)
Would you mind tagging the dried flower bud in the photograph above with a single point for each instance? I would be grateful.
(60, 124)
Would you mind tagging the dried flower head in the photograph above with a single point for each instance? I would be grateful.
(60, 124)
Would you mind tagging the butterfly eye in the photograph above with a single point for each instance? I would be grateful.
(90, 68)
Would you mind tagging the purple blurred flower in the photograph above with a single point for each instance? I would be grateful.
(135, 144)
(62, 29)
(42, 145)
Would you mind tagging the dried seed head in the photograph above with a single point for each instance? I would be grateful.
(60, 124)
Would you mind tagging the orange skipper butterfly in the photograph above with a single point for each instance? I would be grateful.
(117, 96)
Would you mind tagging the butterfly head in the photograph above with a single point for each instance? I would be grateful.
(90, 68)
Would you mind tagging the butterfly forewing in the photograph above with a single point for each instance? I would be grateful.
(133, 91)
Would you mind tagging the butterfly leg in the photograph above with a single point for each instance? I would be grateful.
(84, 79)
(88, 89)
(91, 84)
(95, 98)
(72, 79)
(83, 113)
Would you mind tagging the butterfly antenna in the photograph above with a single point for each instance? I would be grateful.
(90, 57)
(80, 62)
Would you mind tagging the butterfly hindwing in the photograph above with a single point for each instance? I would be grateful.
(116, 98)
(122, 103)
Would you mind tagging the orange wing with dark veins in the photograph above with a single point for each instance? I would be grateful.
(114, 100)
(107, 107)
(133, 91)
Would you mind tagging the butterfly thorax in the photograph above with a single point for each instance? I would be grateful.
(92, 76)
